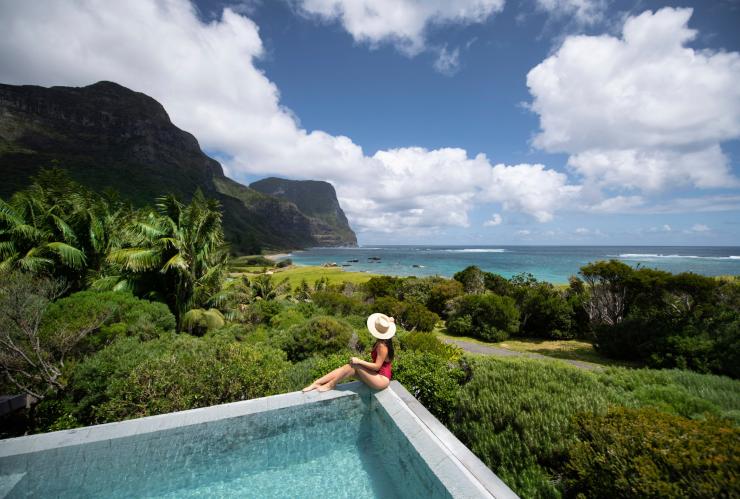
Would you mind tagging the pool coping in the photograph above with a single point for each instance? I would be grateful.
(459, 470)
(458, 453)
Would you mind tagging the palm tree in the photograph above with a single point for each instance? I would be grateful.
(36, 234)
(175, 253)
(57, 227)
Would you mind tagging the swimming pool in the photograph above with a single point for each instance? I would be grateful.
(348, 442)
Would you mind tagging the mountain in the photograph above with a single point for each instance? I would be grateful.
(108, 136)
(317, 200)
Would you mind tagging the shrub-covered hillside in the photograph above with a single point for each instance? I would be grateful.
(108, 313)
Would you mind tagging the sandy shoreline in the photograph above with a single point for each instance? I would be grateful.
(277, 256)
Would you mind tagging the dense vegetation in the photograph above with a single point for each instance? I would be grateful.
(108, 313)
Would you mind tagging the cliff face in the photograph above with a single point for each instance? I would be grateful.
(108, 136)
(316, 199)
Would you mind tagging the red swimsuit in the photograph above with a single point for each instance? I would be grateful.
(385, 369)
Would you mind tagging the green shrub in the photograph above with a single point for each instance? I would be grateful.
(665, 320)
(199, 321)
(389, 306)
(262, 311)
(433, 380)
(383, 286)
(488, 317)
(417, 317)
(680, 392)
(472, 278)
(431, 344)
(306, 371)
(646, 453)
(318, 335)
(516, 416)
(442, 294)
(545, 313)
(284, 263)
(338, 304)
(417, 289)
(290, 316)
(128, 316)
(254, 261)
(89, 381)
(194, 372)
(497, 284)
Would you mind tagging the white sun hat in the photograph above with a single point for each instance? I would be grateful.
(381, 326)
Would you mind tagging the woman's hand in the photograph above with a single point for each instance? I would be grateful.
(353, 361)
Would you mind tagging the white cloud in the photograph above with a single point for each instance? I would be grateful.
(205, 76)
(581, 231)
(531, 189)
(585, 12)
(493, 221)
(700, 228)
(643, 111)
(666, 228)
(401, 22)
(447, 62)
(523, 232)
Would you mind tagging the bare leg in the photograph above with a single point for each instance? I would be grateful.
(343, 372)
(327, 378)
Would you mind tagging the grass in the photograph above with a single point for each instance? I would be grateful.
(559, 349)
(295, 275)
(562, 349)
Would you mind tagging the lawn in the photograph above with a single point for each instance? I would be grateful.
(295, 275)
(559, 349)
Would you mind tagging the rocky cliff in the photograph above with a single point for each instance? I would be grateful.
(317, 200)
(108, 136)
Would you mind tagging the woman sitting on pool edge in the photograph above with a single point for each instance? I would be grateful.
(375, 374)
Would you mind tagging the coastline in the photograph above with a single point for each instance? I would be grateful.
(553, 264)
(275, 257)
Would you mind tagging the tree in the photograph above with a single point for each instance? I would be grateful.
(472, 278)
(176, 253)
(607, 286)
(31, 358)
(57, 226)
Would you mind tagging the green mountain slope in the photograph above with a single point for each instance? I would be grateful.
(108, 136)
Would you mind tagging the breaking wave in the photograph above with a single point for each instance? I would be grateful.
(638, 256)
(477, 250)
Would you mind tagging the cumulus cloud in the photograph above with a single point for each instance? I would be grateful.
(531, 189)
(495, 220)
(699, 228)
(643, 111)
(401, 22)
(205, 76)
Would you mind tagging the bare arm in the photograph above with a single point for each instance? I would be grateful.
(379, 359)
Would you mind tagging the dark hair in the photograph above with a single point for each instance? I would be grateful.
(389, 344)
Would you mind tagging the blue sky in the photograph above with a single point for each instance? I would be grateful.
(468, 122)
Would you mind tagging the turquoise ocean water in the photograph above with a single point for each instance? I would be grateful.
(549, 263)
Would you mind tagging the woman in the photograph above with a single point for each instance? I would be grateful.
(375, 374)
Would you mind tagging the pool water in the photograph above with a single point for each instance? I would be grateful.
(346, 447)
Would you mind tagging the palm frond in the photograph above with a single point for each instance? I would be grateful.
(34, 263)
(27, 231)
(135, 259)
(64, 228)
(176, 262)
(69, 255)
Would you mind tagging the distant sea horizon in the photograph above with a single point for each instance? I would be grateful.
(547, 263)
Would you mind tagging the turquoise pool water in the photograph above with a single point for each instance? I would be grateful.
(346, 447)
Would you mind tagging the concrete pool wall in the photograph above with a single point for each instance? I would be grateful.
(457, 470)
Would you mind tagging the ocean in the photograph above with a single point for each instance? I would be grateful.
(548, 263)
